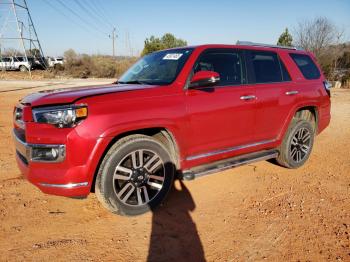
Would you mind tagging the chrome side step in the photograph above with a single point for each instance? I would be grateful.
(222, 165)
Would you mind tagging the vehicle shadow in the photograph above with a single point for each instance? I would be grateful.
(174, 235)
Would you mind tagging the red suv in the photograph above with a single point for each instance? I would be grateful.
(188, 111)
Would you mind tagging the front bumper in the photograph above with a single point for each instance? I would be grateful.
(29, 152)
(62, 176)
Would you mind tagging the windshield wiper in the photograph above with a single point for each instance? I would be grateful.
(134, 82)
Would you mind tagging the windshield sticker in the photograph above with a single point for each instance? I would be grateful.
(173, 56)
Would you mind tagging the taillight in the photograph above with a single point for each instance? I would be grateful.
(328, 87)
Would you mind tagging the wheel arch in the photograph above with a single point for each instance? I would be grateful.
(162, 134)
(298, 111)
(309, 113)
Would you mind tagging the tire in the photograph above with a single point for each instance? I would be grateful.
(23, 68)
(127, 185)
(297, 144)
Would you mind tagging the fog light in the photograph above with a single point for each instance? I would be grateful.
(48, 153)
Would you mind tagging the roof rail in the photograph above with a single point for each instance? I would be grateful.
(267, 45)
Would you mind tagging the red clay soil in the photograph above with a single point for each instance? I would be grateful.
(251, 213)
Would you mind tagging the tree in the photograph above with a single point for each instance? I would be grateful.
(70, 56)
(316, 35)
(11, 52)
(168, 40)
(34, 52)
(285, 39)
(344, 60)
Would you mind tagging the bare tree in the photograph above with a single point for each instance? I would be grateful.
(316, 35)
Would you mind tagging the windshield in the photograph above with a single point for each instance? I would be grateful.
(159, 68)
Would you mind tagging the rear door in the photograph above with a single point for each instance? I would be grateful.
(221, 117)
(275, 92)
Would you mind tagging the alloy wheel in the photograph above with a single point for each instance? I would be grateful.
(139, 177)
(300, 145)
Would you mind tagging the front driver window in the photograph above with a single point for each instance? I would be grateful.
(228, 63)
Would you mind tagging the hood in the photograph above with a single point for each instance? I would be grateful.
(70, 95)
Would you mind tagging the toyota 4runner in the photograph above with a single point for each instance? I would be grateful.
(189, 111)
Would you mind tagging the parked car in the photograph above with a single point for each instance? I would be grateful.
(54, 61)
(189, 111)
(39, 63)
(20, 63)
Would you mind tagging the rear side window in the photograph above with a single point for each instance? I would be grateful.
(267, 67)
(228, 63)
(306, 66)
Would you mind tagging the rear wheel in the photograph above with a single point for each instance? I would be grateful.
(23, 68)
(297, 144)
(135, 175)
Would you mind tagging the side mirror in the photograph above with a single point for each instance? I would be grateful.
(204, 79)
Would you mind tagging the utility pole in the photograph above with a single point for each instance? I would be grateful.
(113, 36)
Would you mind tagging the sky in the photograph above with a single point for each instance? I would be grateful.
(86, 29)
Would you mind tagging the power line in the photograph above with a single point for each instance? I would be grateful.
(99, 11)
(90, 13)
(100, 6)
(49, 3)
(112, 36)
(81, 18)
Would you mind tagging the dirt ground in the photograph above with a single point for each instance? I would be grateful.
(251, 213)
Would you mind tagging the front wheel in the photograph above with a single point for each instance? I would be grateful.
(297, 144)
(135, 175)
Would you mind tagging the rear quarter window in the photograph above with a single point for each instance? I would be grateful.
(306, 65)
(267, 67)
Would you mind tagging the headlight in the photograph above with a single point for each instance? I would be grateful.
(61, 116)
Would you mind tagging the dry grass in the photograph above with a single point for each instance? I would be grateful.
(85, 66)
(78, 66)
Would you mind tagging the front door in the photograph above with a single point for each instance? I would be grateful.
(221, 117)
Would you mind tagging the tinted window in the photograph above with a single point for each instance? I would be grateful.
(227, 63)
(306, 66)
(19, 59)
(266, 67)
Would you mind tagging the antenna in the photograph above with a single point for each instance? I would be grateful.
(17, 32)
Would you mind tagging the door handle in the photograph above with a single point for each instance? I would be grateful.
(290, 93)
(246, 98)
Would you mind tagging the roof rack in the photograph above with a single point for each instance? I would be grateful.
(267, 45)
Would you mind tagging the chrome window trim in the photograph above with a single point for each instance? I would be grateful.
(227, 150)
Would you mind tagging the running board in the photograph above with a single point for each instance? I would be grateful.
(222, 165)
